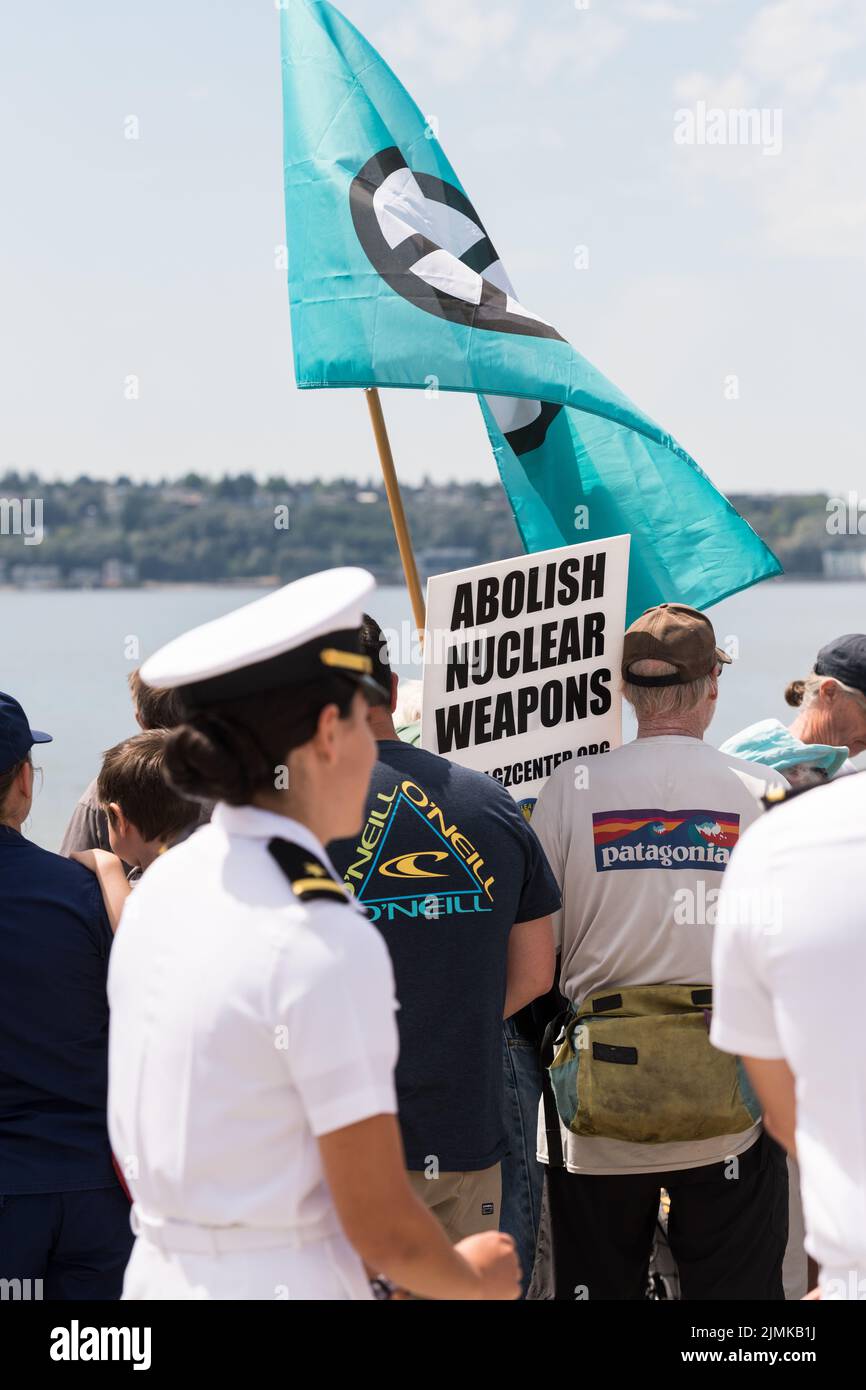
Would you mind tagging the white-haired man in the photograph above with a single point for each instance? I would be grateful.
(638, 839)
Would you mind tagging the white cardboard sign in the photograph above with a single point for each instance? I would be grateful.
(522, 660)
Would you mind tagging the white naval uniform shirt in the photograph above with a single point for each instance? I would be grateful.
(790, 986)
(244, 1024)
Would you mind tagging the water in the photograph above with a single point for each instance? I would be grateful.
(66, 657)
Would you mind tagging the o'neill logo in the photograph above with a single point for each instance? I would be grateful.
(407, 866)
(653, 839)
(439, 874)
(429, 245)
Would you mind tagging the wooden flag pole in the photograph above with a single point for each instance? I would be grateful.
(395, 502)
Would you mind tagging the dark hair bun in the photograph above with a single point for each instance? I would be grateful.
(795, 692)
(210, 759)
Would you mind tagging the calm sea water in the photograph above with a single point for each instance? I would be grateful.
(66, 657)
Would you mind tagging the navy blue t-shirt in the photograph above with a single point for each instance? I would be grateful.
(446, 864)
(54, 946)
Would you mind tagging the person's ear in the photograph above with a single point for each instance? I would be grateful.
(829, 691)
(118, 819)
(25, 779)
(395, 681)
(324, 740)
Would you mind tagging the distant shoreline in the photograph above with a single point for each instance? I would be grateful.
(274, 582)
(271, 582)
(88, 534)
(149, 585)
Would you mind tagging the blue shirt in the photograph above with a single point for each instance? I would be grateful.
(446, 865)
(54, 946)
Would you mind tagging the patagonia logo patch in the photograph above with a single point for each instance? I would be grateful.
(655, 839)
(487, 1208)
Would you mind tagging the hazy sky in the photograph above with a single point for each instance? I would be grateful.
(155, 257)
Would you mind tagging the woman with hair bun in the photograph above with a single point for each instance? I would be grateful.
(253, 1042)
(830, 728)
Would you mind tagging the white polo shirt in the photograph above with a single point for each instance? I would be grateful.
(638, 840)
(791, 986)
(244, 1024)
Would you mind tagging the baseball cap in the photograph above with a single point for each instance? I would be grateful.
(16, 735)
(677, 634)
(845, 659)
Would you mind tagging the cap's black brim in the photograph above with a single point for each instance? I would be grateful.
(308, 664)
(38, 737)
(374, 693)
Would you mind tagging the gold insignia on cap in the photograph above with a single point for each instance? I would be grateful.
(348, 661)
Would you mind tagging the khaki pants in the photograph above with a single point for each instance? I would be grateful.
(463, 1203)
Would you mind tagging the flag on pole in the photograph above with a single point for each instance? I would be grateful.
(394, 280)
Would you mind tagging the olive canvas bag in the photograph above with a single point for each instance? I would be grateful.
(638, 1065)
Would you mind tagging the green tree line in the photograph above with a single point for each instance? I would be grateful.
(200, 530)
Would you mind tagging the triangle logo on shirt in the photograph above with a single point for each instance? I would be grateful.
(405, 866)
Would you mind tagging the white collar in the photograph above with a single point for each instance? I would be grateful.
(253, 823)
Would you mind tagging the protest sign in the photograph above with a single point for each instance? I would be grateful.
(522, 660)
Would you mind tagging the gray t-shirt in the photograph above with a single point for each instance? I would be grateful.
(88, 825)
(638, 840)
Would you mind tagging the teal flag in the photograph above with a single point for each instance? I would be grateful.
(394, 282)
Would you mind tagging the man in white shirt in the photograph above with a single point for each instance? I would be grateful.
(789, 987)
(638, 839)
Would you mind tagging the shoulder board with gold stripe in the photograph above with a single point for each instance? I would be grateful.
(308, 878)
(779, 796)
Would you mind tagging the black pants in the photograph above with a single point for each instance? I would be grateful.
(76, 1243)
(728, 1233)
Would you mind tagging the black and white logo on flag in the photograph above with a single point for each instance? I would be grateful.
(427, 242)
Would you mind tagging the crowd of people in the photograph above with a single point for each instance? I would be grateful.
(302, 1010)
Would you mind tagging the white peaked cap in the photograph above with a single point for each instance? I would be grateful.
(295, 619)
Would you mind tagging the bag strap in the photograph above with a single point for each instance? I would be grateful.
(555, 1157)
(638, 1001)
